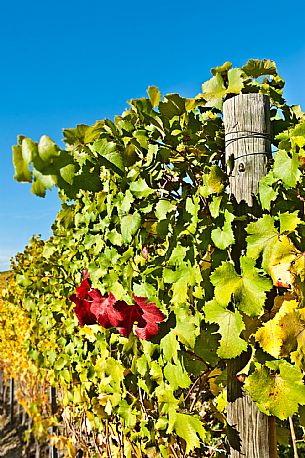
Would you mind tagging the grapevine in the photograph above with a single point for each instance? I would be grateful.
(137, 300)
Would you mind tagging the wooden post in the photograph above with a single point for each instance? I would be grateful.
(53, 401)
(12, 400)
(246, 117)
(1, 386)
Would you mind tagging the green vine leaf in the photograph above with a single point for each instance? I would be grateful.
(213, 182)
(129, 226)
(267, 193)
(277, 388)
(248, 289)
(164, 207)
(47, 149)
(140, 189)
(225, 280)
(235, 81)
(42, 183)
(230, 327)
(176, 375)
(224, 237)
(22, 172)
(190, 429)
(170, 346)
(111, 157)
(286, 168)
(261, 233)
(215, 89)
(29, 150)
(180, 281)
(222, 68)
(173, 105)
(289, 221)
(68, 173)
(256, 68)
(187, 328)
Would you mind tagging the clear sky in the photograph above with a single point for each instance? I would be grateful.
(67, 62)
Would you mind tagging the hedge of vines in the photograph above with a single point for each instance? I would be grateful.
(137, 300)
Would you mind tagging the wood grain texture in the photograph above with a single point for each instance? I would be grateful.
(247, 132)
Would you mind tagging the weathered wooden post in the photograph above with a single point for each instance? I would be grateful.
(12, 399)
(53, 401)
(1, 386)
(247, 135)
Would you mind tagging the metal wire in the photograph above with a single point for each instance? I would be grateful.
(265, 153)
(249, 134)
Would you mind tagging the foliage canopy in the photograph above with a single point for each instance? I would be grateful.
(146, 211)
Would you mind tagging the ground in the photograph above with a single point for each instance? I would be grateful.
(11, 439)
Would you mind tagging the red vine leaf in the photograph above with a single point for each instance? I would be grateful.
(92, 307)
(131, 314)
(145, 315)
(83, 303)
(83, 289)
(82, 311)
(103, 309)
(147, 327)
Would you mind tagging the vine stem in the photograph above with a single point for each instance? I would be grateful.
(192, 387)
(293, 438)
(108, 449)
(174, 451)
(142, 405)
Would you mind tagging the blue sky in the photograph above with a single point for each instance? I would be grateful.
(67, 62)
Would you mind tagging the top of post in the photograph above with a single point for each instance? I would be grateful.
(247, 142)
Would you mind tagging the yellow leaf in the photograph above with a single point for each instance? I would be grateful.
(154, 95)
(272, 335)
(298, 140)
(190, 104)
(214, 387)
(277, 259)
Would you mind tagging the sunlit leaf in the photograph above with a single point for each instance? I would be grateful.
(277, 391)
(286, 168)
(230, 327)
(256, 68)
(190, 429)
(129, 226)
(22, 172)
(154, 95)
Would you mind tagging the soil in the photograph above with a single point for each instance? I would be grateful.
(11, 439)
(13, 443)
